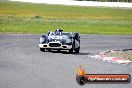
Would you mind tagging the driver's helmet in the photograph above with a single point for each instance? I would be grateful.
(58, 31)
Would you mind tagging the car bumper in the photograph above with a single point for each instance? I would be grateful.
(46, 46)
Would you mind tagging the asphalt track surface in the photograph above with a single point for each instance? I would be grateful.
(22, 65)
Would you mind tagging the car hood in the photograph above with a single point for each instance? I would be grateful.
(54, 38)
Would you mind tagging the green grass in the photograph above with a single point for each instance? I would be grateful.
(18, 17)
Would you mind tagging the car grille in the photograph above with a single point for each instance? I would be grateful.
(54, 44)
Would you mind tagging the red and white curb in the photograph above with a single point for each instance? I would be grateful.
(102, 56)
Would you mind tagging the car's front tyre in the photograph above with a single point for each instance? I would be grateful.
(77, 50)
(73, 47)
(42, 49)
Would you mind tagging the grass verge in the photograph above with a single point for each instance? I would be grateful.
(16, 17)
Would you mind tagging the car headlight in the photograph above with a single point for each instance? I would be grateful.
(42, 39)
(68, 41)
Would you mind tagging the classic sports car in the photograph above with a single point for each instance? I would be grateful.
(60, 40)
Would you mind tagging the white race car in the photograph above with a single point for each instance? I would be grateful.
(60, 40)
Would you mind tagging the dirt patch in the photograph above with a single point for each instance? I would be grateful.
(125, 54)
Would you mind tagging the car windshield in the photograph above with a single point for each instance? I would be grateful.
(58, 33)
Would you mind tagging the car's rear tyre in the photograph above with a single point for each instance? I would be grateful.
(42, 49)
(77, 50)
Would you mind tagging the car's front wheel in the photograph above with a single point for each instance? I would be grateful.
(77, 50)
(73, 47)
(42, 49)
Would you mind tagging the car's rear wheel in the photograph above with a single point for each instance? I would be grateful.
(42, 49)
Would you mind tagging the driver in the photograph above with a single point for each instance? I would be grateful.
(58, 32)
